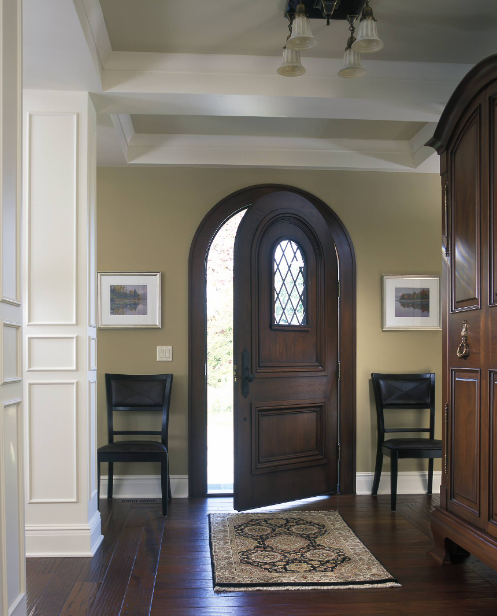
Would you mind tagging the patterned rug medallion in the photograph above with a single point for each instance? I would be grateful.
(298, 550)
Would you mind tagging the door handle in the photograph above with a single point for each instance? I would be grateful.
(247, 378)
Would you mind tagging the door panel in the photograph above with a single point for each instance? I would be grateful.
(465, 443)
(493, 452)
(286, 427)
(465, 171)
(492, 198)
(287, 437)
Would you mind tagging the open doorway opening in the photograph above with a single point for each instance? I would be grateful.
(219, 293)
(198, 388)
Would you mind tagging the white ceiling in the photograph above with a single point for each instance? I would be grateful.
(274, 127)
(455, 31)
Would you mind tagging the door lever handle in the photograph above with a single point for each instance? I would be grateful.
(246, 376)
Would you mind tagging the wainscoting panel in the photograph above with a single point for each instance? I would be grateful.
(51, 353)
(11, 352)
(52, 217)
(52, 454)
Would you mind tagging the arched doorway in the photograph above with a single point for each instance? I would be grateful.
(201, 244)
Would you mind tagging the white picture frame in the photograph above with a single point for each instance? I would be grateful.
(129, 300)
(411, 302)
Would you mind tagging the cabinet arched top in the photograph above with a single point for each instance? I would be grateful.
(478, 78)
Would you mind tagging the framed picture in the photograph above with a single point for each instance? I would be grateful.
(411, 302)
(129, 299)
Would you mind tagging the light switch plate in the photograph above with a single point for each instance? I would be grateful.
(164, 353)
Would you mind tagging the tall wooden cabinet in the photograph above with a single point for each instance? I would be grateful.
(466, 140)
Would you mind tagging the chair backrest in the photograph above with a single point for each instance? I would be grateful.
(404, 391)
(138, 392)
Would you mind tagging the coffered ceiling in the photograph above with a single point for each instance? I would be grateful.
(194, 82)
(412, 30)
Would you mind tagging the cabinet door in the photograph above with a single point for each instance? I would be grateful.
(466, 376)
(489, 426)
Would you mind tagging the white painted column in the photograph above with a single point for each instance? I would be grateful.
(59, 282)
(12, 558)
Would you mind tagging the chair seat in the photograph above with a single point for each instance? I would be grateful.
(412, 443)
(133, 447)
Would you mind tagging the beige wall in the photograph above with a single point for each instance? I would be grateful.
(146, 221)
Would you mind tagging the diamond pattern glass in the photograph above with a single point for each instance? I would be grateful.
(289, 284)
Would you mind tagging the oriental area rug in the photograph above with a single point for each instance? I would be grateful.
(298, 550)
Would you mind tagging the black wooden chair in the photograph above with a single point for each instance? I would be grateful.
(137, 392)
(404, 391)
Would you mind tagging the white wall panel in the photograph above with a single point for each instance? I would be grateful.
(12, 544)
(92, 400)
(52, 454)
(10, 337)
(52, 217)
(92, 230)
(58, 261)
(51, 353)
(92, 353)
(12, 464)
(10, 228)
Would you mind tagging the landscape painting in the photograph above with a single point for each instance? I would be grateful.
(412, 302)
(128, 299)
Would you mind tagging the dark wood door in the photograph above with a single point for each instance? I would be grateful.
(286, 353)
(466, 376)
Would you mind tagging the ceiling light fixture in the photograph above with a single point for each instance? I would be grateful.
(367, 34)
(290, 65)
(352, 66)
(301, 37)
(300, 12)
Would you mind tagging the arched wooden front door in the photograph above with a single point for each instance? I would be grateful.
(286, 353)
(294, 348)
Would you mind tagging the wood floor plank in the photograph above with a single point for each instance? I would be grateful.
(110, 597)
(81, 599)
(138, 598)
(58, 588)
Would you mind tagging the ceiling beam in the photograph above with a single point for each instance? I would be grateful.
(273, 152)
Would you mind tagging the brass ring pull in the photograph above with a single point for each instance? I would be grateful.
(463, 348)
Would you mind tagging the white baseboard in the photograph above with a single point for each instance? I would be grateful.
(148, 486)
(64, 540)
(144, 486)
(410, 482)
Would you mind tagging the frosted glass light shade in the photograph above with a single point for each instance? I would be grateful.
(367, 37)
(352, 66)
(290, 65)
(301, 37)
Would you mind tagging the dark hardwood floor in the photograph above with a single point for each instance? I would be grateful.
(151, 565)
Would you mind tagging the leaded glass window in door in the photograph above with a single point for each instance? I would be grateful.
(289, 284)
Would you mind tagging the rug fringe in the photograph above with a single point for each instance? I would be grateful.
(222, 589)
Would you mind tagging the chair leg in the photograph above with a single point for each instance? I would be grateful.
(430, 476)
(377, 471)
(98, 484)
(169, 493)
(110, 480)
(164, 480)
(394, 461)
